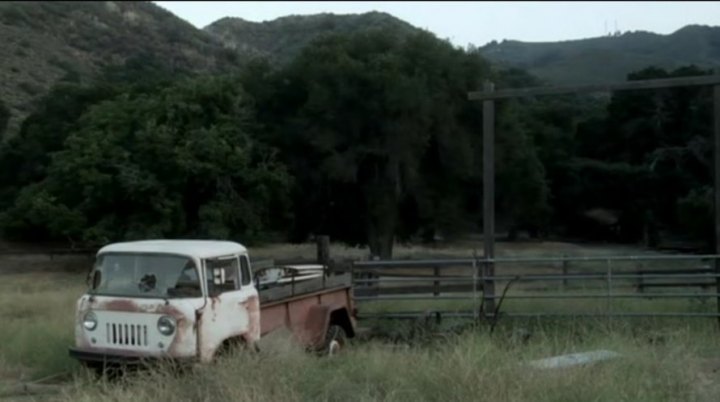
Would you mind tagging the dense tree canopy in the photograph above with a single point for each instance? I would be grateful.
(178, 162)
(24, 158)
(367, 137)
(374, 121)
(649, 159)
(384, 145)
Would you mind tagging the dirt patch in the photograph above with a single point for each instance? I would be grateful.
(707, 386)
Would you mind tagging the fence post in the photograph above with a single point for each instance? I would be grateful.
(476, 309)
(353, 281)
(292, 282)
(565, 266)
(436, 283)
(609, 289)
(489, 198)
(323, 249)
(716, 129)
(323, 255)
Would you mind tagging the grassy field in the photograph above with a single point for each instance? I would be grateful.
(661, 359)
(471, 366)
(36, 311)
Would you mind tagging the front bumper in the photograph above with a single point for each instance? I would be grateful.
(107, 357)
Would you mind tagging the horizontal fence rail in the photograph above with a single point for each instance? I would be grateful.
(577, 286)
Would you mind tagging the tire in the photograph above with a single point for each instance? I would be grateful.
(335, 341)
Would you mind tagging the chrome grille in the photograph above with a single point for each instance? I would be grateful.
(126, 334)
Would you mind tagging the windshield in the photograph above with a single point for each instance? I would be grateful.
(146, 275)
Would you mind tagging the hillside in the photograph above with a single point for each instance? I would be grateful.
(608, 59)
(283, 38)
(44, 42)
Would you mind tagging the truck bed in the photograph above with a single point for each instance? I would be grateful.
(308, 308)
(280, 292)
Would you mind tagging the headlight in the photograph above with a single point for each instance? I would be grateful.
(90, 321)
(166, 325)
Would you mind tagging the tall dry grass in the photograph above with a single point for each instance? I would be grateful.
(663, 360)
(36, 323)
(474, 366)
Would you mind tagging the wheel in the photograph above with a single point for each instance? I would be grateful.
(335, 340)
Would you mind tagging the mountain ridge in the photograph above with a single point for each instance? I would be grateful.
(282, 39)
(44, 43)
(47, 42)
(577, 61)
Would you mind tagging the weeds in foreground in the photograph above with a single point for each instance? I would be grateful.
(469, 365)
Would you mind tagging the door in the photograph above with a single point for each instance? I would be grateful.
(231, 312)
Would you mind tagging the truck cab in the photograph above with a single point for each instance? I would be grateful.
(188, 300)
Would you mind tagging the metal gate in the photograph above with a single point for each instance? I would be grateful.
(607, 286)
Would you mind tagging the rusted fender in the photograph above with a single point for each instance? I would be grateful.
(319, 319)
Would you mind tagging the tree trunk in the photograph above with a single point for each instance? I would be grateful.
(382, 221)
(381, 246)
(382, 195)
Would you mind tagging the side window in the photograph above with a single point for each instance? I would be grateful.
(224, 270)
(245, 266)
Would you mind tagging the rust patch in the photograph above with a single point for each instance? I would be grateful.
(252, 306)
(182, 332)
(214, 300)
(120, 305)
(198, 333)
(272, 318)
(316, 324)
(167, 310)
(130, 306)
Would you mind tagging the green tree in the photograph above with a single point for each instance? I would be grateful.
(662, 139)
(178, 162)
(371, 124)
(522, 190)
(143, 71)
(696, 214)
(24, 158)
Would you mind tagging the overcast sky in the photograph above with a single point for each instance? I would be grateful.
(481, 22)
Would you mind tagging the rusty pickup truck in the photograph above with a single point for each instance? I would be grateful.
(193, 299)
